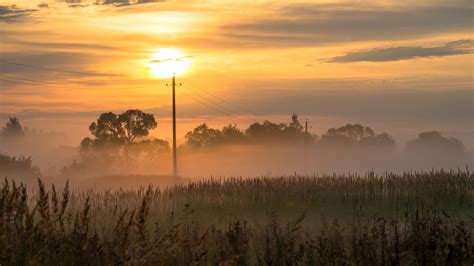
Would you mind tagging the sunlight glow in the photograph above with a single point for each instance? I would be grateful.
(168, 61)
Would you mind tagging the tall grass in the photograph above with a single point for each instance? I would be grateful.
(413, 218)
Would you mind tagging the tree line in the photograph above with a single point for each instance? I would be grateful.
(131, 129)
(124, 139)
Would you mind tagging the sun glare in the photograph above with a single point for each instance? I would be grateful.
(167, 62)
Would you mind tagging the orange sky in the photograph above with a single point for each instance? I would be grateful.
(251, 53)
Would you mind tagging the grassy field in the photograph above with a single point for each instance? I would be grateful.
(414, 218)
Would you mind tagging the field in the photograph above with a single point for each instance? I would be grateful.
(423, 218)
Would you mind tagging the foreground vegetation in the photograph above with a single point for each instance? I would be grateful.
(414, 218)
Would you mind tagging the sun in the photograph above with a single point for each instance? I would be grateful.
(167, 62)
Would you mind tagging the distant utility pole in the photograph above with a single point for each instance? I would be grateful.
(305, 144)
(175, 161)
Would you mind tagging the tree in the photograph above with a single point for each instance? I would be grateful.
(265, 131)
(136, 124)
(13, 128)
(203, 136)
(268, 131)
(116, 144)
(232, 134)
(151, 146)
(354, 132)
(294, 129)
(123, 128)
(433, 143)
(107, 129)
(383, 140)
(356, 135)
(21, 167)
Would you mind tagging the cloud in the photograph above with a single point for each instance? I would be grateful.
(117, 3)
(128, 2)
(405, 52)
(13, 13)
(40, 65)
(314, 24)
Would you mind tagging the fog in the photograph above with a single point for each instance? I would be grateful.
(58, 163)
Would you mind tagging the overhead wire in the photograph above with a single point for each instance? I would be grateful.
(32, 81)
(222, 106)
(219, 110)
(51, 69)
(224, 101)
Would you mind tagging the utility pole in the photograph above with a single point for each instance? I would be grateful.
(305, 145)
(175, 162)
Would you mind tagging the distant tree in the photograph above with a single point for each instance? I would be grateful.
(265, 131)
(149, 147)
(203, 136)
(21, 167)
(123, 128)
(354, 132)
(13, 128)
(433, 143)
(268, 131)
(294, 129)
(86, 144)
(232, 134)
(356, 135)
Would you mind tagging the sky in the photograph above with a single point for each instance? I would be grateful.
(398, 66)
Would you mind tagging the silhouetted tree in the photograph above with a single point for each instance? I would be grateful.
(123, 128)
(116, 143)
(232, 134)
(355, 135)
(383, 140)
(265, 131)
(433, 143)
(13, 128)
(268, 131)
(355, 132)
(203, 136)
(294, 129)
(150, 146)
(21, 167)
(136, 124)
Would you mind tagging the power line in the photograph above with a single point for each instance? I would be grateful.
(231, 104)
(205, 104)
(235, 106)
(214, 108)
(36, 82)
(224, 107)
(228, 103)
(39, 82)
(49, 68)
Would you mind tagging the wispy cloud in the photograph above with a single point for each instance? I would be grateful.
(387, 54)
(128, 2)
(13, 13)
(316, 24)
(119, 3)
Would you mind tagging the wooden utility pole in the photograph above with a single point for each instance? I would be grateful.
(305, 144)
(175, 162)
